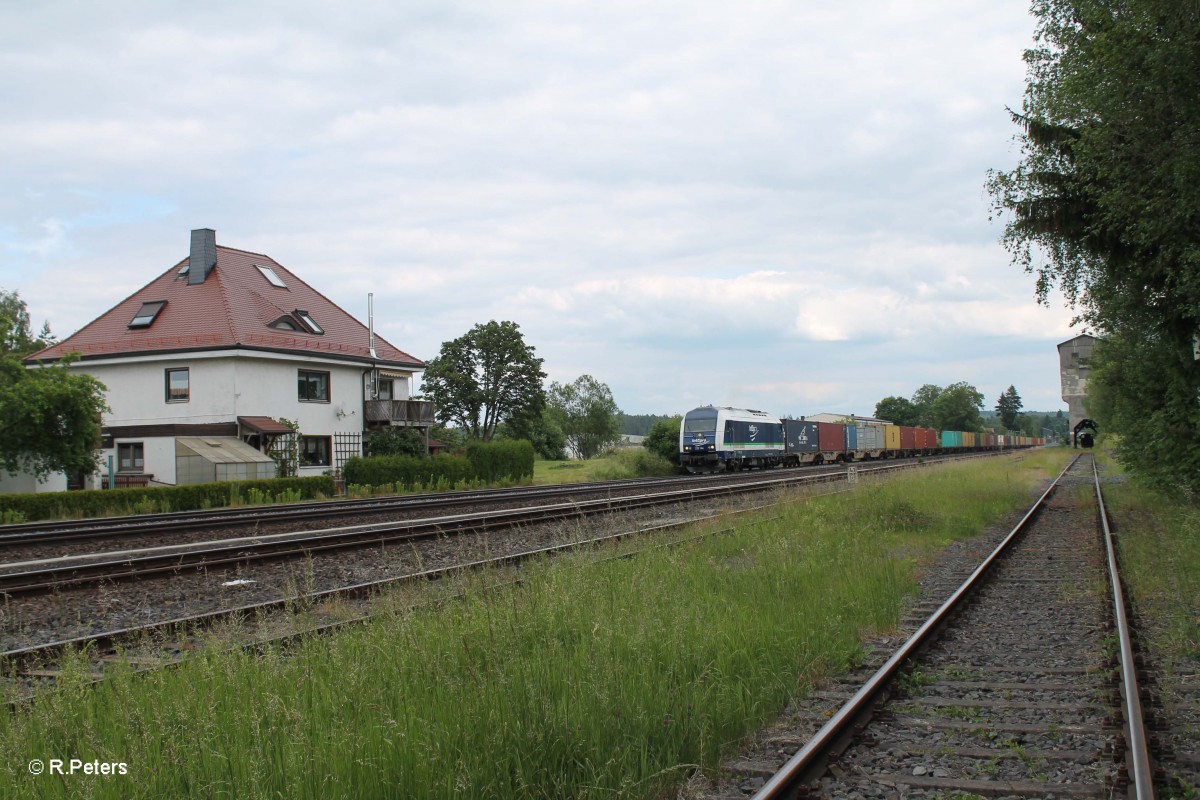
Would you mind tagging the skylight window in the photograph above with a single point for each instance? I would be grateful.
(146, 314)
(309, 322)
(271, 277)
(183, 270)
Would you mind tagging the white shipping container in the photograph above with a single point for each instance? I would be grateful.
(870, 437)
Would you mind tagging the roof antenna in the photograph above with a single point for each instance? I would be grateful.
(371, 323)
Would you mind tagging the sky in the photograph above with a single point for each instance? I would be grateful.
(774, 205)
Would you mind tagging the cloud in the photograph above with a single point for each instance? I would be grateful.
(689, 201)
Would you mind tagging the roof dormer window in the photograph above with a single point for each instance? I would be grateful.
(285, 323)
(309, 322)
(147, 314)
(271, 276)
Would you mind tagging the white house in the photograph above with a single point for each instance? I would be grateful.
(203, 362)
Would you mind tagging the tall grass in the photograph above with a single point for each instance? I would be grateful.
(592, 678)
(614, 465)
(1160, 561)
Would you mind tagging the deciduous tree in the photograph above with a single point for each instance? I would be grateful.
(484, 377)
(1137, 389)
(958, 408)
(1105, 202)
(587, 414)
(541, 430)
(923, 400)
(16, 336)
(50, 417)
(898, 410)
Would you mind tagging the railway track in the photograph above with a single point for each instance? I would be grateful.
(1023, 683)
(258, 517)
(166, 641)
(278, 623)
(41, 576)
(272, 518)
(49, 575)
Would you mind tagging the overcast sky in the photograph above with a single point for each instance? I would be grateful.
(777, 205)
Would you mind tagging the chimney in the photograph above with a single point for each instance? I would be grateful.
(203, 256)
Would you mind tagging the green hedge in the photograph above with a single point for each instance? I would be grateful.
(496, 461)
(101, 503)
(409, 471)
(485, 462)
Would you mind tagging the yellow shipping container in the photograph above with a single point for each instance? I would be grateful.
(891, 437)
(969, 439)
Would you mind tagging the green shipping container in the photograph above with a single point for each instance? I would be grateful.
(952, 440)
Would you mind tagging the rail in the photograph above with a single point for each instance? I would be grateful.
(1135, 727)
(790, 780)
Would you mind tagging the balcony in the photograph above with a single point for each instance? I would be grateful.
(401, 413)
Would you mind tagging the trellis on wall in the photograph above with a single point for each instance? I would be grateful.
(345, 447)
(285, 450)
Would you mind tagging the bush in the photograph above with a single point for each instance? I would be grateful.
(394, 442)
(113, 502)
(498, 461)
(663, 439)
(634, 464)
(486, 462)
(408, 471)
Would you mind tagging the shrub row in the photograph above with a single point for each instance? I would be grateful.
(406, 470)
(487, 462)
(496, 461)
(109, 502)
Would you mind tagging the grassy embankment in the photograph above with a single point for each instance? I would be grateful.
(631, 463)
(591, 679)
(1159, 540)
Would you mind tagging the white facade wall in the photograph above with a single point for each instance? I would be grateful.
(223, 386)
(24, 482)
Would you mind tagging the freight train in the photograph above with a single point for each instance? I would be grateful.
(713, 439)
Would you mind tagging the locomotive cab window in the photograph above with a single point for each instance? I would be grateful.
(701, 421)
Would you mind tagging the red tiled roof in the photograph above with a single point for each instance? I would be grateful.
(231, 309)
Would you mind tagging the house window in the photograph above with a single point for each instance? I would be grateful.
(314, 386)
(146, 314)
(315, 450)
(178, 385)
(130, 457)
(386, 389)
